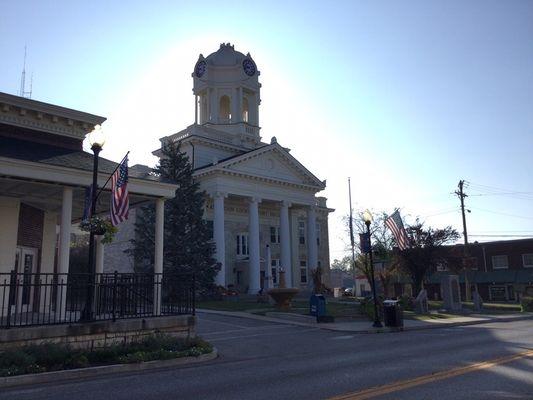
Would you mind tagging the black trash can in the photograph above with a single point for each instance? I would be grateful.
(392, 313)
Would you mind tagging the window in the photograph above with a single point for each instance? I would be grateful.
(274, 263)
(303, 271)
(274, 234)
(301, 232)
(242, 244)
(317, 234)
(527, 259)
(500, 262)
(224, 111)
(245, 109)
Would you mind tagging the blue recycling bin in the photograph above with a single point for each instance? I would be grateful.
(317, 305)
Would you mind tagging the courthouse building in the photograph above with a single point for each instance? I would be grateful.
(263, 203)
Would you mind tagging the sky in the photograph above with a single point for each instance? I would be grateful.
(406, 98)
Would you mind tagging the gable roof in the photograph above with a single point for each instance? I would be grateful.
(292, 164)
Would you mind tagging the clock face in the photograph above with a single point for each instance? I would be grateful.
(199, 70)
(249, 67)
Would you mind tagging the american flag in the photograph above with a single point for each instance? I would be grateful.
(395, 224)
(120, 202)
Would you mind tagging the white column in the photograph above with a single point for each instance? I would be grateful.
(195, 109)
(158, 259)
(253, 239)
(218, 234)
(312, 248)
(64, 251)
(99, 254)
(285, 242)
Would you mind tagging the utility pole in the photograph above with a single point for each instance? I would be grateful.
(461, 194)
(352, 241)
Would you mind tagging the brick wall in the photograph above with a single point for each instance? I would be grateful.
(99, 334)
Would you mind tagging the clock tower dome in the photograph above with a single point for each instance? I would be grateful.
(227, 93)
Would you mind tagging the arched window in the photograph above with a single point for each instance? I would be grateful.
(245, 109)
(224, 111)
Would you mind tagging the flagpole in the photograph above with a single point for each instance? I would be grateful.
(351, 236)
(110, 176)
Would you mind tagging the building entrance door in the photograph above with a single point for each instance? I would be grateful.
(26, 268)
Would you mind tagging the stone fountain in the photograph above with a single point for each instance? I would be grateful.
(282, 295)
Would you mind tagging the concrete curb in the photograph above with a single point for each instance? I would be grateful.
(91, 372)
(433, 325)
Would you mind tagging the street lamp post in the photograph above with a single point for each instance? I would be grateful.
(367, 216)
(97, 143)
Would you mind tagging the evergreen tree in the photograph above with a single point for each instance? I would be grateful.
(188, 245)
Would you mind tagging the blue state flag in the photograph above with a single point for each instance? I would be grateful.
(364, 242)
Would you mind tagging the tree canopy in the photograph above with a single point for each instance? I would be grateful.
(425, 251)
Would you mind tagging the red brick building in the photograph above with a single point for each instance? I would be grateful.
(499, 270)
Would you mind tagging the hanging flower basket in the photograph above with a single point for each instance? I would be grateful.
(99, 226)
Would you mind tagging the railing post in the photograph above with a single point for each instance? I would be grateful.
(158, 283)
(115, 278)
(194, 293)
(12, 295)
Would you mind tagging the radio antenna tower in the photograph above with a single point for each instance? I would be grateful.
(23, 92)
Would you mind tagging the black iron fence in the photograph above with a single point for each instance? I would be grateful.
(46, 299)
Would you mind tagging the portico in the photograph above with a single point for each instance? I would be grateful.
(43, 176)
(256, 246)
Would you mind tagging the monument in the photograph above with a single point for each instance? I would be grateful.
(421, 302)
(451, 293)
(478, 301)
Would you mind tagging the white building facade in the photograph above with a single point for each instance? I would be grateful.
(262, 203)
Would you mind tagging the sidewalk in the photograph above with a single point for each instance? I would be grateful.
(366, 326)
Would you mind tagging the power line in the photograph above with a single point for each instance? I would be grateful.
(500, 213)
(518, 236)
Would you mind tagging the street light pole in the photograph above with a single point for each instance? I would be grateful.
(96, 147)
(368, 220)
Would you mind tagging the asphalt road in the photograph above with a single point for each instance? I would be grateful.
(260, 360)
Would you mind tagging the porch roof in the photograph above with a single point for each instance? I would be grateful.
(64, 157)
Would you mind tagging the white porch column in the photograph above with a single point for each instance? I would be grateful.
(312, 248)
(253, 238)
(285, 242)
(64, 251)
(218, 234)
(99, 254)
(158, 259)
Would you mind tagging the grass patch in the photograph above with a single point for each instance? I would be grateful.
(427, 317)
(54, 357)
(490, 307)
(234, 305)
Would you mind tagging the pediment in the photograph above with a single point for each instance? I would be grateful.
(270, 162)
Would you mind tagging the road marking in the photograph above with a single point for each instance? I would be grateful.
(263, 334)
(422, 380)
(203, 334)
(342, 337)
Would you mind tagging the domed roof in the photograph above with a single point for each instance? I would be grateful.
(225, 56)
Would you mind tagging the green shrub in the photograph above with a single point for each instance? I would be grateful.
(52, 357)
(526, 304)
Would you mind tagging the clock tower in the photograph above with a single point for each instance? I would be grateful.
(227, 93)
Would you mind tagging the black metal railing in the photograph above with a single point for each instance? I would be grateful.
(45, 299)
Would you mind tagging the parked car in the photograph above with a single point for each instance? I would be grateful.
(348, 291)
